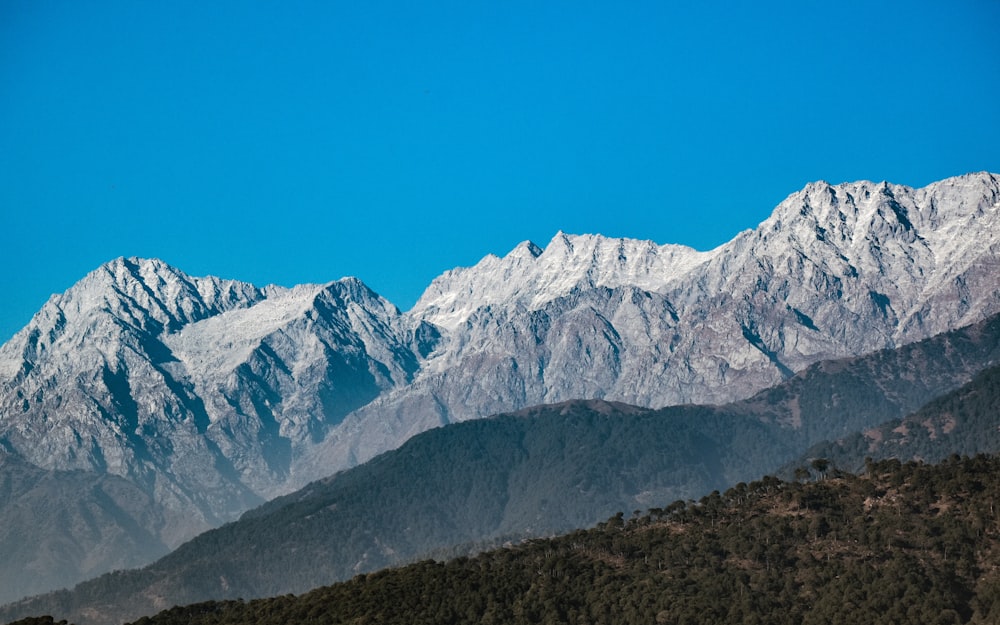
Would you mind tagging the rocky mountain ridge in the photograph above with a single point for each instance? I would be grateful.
(835, 271)
(121, 375)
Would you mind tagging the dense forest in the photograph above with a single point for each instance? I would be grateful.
(900, 543)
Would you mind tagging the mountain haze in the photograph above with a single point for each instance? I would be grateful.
(212, 396)
(61, 526)
(902, 544)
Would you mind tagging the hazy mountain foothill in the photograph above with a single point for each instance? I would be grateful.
(58, 525)
(900, 544)
(526, 396)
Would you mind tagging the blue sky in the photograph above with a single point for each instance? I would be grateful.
(304, 141)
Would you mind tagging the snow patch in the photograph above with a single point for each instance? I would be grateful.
(224, 342)
(533, 277)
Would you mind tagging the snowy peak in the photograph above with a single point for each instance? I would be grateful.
(526, 250)
(166, 295)
(126, 296)
(905, 262)
(531, 276)
(852, 215)
(876, 230)
(199, 389)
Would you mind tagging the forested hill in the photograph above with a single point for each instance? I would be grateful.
(904, 543)
(964, 421)
(486, 481)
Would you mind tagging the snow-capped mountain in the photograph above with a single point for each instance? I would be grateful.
(532, 277)
(835, 271)
(213, 395)
(198, 389)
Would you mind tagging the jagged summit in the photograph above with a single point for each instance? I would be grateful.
(124, 297)
(198, 389)
(878, 229)
(888, 238)
(531, 276)
(526, 249)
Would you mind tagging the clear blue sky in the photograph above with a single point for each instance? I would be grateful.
(304, 141)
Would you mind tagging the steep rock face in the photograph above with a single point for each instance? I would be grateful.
(895, 260)
(198, 390)
(86, 385)
(276, 377)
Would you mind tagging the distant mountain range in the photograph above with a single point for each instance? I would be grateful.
(209, 397)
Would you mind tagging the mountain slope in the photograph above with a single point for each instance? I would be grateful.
(902, 544)
(833, 551)
(545, 469)
(195, 389)
(965, 421)
(61, 526)
(481, 481)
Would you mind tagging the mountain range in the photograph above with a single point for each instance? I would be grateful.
(208, 397)
(553, 468)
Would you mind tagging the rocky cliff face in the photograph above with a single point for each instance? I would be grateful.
(197, 389)
(212, 395)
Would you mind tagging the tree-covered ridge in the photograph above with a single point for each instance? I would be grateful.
(836, 398)
(902, 543)
(449, 491)
(964, 421)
